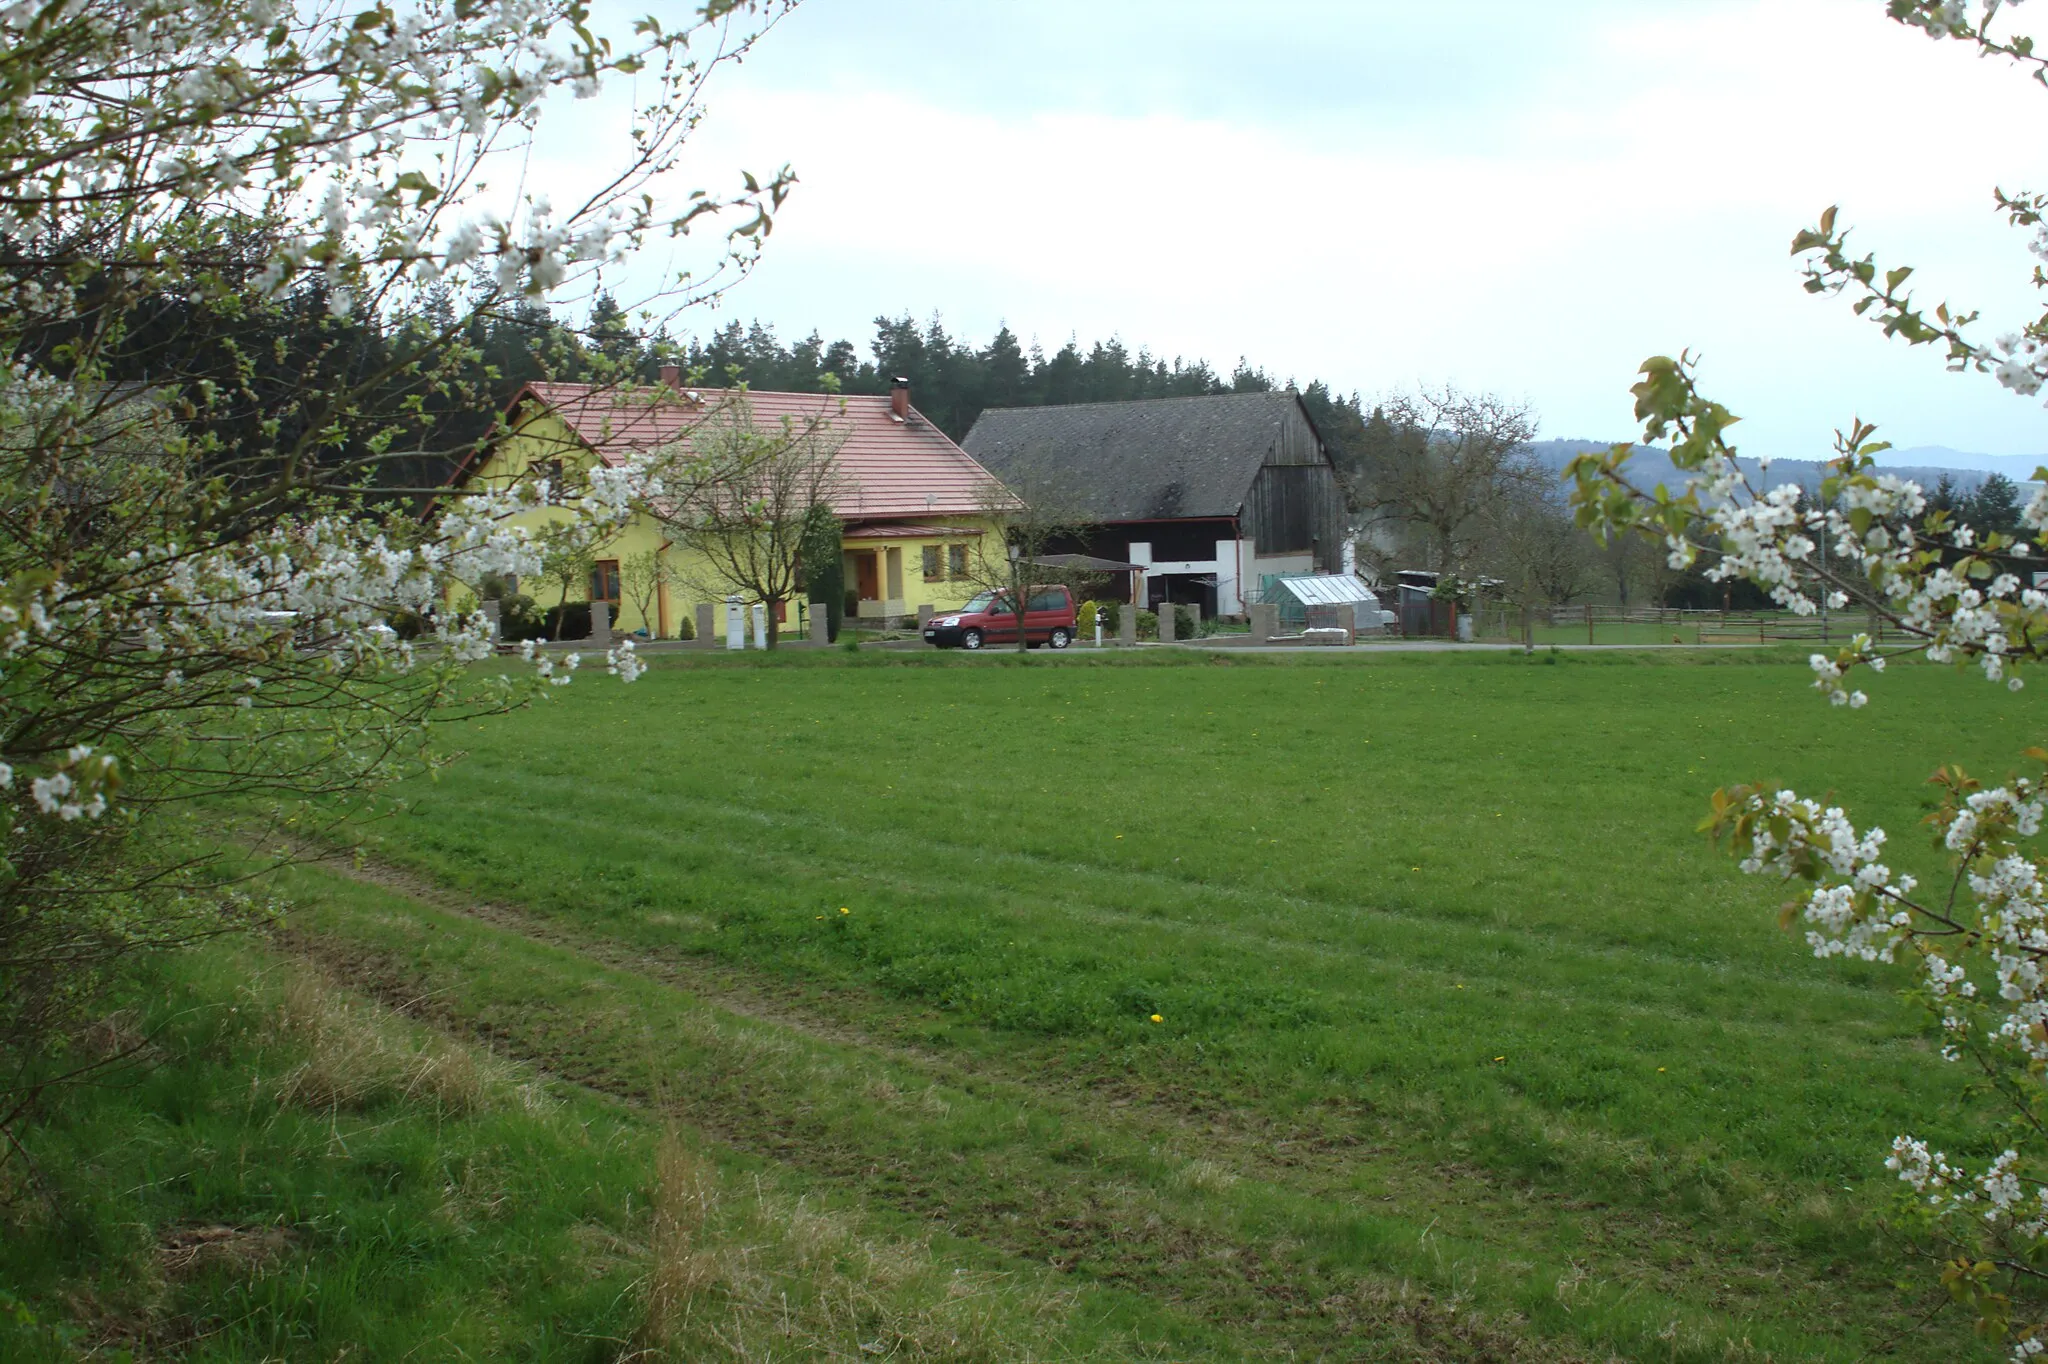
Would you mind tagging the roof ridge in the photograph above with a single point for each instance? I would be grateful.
(587, 388)
(1143, 402)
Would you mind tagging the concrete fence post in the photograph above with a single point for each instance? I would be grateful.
(601, 624)
(493, 615)
(760, 626)
(1347, 621)
(924, 616)
(1195, 615)
(1166, 622)
(821, 624)
(1265, 622)
(1127, 623)
(735, 624)
(707, 625)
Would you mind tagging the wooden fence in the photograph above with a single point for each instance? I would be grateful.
(1666, 625)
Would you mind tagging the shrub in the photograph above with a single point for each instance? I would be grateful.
(1084, 619)
(519, 617)
(1112, 620)
(571, 620)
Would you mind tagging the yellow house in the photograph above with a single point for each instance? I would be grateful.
(914, 506)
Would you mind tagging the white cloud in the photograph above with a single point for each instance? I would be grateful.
(1632, 190)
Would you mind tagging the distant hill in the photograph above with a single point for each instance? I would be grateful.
(1650, 465)
(2018, 468)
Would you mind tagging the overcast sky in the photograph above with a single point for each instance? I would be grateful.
(1516, 196)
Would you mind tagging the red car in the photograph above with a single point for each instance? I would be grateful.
(990, 619)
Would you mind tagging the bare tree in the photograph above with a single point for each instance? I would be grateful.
(641, 578)
(1633, 565)
(568, 556)
(1025, 517)
(742, 496)
(1435, 464)
(1531, 546)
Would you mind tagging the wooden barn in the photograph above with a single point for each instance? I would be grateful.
(1211, 498)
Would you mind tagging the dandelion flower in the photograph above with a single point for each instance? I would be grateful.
(1157, 1019)
(844, 910)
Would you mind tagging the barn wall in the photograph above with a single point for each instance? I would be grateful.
(1294, 508)
(1297, 443)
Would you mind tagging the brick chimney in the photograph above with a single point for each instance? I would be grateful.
(671, 376)
(899, 399)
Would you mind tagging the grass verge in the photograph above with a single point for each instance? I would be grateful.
(298, 1173)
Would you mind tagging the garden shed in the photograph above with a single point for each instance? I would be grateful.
(1317, 599)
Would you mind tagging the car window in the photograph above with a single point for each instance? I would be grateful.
(1055, 600)
(980, 602)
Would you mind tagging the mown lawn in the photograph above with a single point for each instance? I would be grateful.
(1438, 924)
(1466, 1046)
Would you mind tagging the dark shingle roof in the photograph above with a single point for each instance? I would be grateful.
(1154, 460)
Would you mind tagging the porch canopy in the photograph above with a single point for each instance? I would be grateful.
(1088, 563)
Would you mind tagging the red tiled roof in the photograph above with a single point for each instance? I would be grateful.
(889, 468)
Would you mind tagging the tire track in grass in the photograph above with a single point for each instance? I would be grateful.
(1462, 941)
(1528, 994)
(1257, 1140)
(1124, 1230)
(1263, 1307)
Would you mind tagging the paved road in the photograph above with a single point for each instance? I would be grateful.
(1430, 646)
(1214, 644)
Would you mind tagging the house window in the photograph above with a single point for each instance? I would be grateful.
(551, 470)
(931, 564)
(956, 561)
(604, 581)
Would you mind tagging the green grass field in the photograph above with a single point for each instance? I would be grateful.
(1466, 1045)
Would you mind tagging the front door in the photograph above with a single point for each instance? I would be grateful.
(867, 578)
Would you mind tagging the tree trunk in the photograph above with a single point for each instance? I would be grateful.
(774, 631)
(1020, 600)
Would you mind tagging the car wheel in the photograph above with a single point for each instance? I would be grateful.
(1061, 639)
(970, 639)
